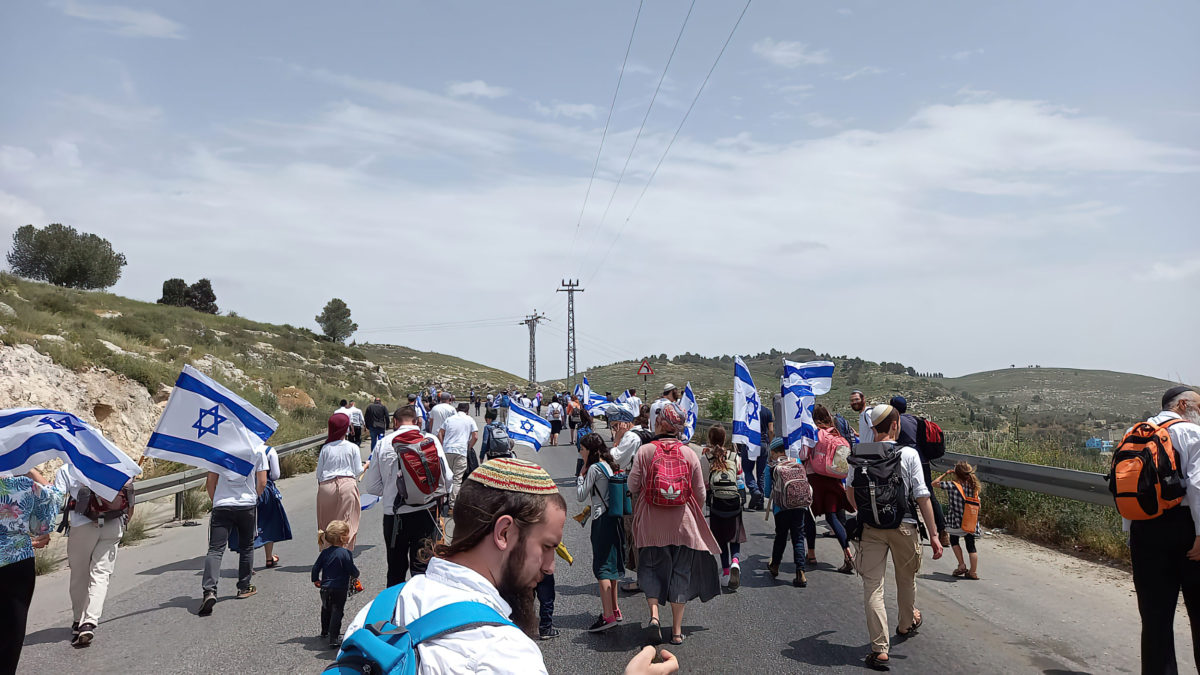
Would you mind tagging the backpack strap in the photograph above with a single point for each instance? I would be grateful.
(454, 617)
(383, 607)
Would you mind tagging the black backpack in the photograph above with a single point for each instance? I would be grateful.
(499, 444)
(878, 482)
(643, 434)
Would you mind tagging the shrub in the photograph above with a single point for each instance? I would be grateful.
(43, 562)
(720, 406)
(56, 303)
(196, 503)
(135, 531)
(132, 326)
(298, 463)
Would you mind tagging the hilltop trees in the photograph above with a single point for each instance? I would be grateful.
(199, 296)
(64, 256)
(335, 321)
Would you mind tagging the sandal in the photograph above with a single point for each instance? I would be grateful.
(971, 575)
(913, 628)
(677, 640)
(847, 567)
(876, 663)
(959, 572)
(655, 629)
(273, 562)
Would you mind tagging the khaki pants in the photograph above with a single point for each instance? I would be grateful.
(905, 546)
(92, 554)
(458, 467)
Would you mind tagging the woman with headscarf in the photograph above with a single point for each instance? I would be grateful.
(676, 548)
(338, 468)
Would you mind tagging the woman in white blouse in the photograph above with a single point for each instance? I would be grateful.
(338, 468)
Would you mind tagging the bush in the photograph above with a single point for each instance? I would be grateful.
(298, 463)
(196, 503)
(43, 562)
(132, 326)
(135, 531)
(64, 256)
(720, 406)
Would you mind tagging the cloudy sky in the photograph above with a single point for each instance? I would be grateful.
(955, 186)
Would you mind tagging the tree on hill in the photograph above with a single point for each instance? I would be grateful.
(335, 321)
(63, 256)
(199, 296)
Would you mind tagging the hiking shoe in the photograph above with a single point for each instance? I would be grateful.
(602, 624)
(246, 592)
(548, 634)
(800, 581)
(87, 633)
(206, 605)
(735, 575)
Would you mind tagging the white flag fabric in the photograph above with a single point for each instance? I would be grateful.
(208, 426)
(525, 426)
(746, 410)
(691, 410)
(421, 410)
(801, 384)
(586, 398)
(30, 436)
(623, 397)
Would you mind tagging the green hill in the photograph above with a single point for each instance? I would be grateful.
(1101, 393)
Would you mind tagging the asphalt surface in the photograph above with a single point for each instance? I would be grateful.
(1035, 610)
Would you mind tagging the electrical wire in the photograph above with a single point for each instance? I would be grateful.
(674, 136)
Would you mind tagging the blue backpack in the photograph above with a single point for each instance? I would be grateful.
(382, 648)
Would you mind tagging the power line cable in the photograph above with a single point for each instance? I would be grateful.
(674, 136)
(611, 107)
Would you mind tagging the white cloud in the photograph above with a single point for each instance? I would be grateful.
(789, 54)
(572, 110)
(120, 115)
(477, 89)
(963, 55)
(864, 71)
(1173, 271)
(123, 20)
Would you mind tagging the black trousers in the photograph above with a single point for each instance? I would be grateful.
(333, 607)
(545, 596)
(1158, 549)
(16, 580)
(223, 520)
(939, 518)
(404, 536)
(789, 523)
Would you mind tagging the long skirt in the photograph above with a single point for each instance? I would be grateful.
(677, 574)
(272, 520)
(608, 548)
(337, 499)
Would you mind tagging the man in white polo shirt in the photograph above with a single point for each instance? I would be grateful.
(235, 500)
(440, 413)
(458, 436)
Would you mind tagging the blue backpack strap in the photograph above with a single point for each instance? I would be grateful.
(452, 617)
(383, 607)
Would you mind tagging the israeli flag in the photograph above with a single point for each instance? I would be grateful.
(208, 426)
(525, 426)
(30, 436)
(586, 398)
(801, 384)
(746, 410)
(421, 410)
(623, 397)
(691, 410)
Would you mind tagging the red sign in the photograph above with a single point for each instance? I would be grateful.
(645, 369)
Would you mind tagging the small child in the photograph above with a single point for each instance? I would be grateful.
(788, 522)
(332, 573)
(962, 518)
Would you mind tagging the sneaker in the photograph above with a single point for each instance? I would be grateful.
(603, 623)
(725, 578)
(335, 643)
(246, 592)
(620, 617)
(74, 629)
(800, 581)
(735, 575)
(206, 605)
(87, 633)
(548, 634)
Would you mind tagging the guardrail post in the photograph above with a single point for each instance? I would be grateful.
(179, 506)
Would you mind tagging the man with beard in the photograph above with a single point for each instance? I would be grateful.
(506, 529)
(1165, 550)
(858, 403)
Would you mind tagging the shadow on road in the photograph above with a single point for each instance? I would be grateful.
(817, 651)
(629, 636)
(188, 565)
(63, 633)
(312, 643)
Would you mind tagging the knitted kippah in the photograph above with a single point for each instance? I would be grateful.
(514, 475)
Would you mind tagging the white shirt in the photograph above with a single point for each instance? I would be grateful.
(240, 491)
(438, 416)
(1185, 438)
(356, 416)
(339, 458)
(627, 449)
(866, 433)
(272, 463)
(654, 408)
(555, 412)
(486, 649)
(67, 480)
(380, 479)
(344, 411)
(636, 403)
(458, 433)
(526, 403)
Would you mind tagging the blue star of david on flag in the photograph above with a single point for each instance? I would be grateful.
(62, 424)
(746, 410)
(752, 412)
(217, 418)
(526, 426)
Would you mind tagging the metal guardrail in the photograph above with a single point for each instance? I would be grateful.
(178, 483)
(1082, 486)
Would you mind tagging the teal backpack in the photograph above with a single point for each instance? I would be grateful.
(382, 648)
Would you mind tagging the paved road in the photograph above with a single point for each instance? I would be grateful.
(1035, 611)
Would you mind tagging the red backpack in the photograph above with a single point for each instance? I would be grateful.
(420, 470)
(670, 482)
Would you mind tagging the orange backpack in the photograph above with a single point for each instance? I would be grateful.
(970, 518)
(1145, 479)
